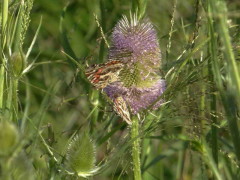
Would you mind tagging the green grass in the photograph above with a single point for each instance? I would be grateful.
(50, 113)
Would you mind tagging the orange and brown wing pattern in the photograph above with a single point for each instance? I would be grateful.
(100, 75)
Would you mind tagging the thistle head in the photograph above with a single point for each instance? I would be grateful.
(135, 43)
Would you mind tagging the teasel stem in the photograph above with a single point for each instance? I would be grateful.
(136, 148)
(138, 7)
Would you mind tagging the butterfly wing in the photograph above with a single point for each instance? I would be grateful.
(100, 75)
(120, 107)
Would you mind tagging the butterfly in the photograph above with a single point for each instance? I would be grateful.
(101, 75)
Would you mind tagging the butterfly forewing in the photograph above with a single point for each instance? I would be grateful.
(100, 75)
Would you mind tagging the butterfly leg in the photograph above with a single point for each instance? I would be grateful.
(120, 107)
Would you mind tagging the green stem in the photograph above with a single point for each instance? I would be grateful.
(229, 55)
(27, 105)
(14, 82)
(214, 139)
(136, 148)
(4, 14)
(2, 75)
(2, 68)
(102, 29)
(213, 105)
(171, 30)
(11, 102)
(17, 36)
(4, 22)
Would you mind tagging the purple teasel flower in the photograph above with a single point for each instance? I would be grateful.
(135, 44)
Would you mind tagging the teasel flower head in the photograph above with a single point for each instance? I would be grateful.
(135, 43)
(81, 156)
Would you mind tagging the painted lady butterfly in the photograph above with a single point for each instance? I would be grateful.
(101, 75)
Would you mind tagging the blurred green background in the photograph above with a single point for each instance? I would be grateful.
(61, 101)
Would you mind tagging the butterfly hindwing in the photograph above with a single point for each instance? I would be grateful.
(120, 107)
